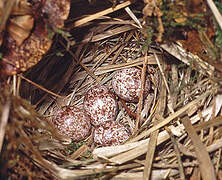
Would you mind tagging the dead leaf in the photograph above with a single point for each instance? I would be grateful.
(148, 10)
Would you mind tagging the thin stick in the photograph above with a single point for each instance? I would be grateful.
(215, 12)
(102, 13)
(39, 86)
(129, 112)
(4, 121)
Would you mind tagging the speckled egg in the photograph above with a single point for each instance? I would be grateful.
(127, 84)
(100, 105)
(72, 122)
(111, 133)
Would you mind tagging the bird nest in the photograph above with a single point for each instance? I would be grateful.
(175, 128)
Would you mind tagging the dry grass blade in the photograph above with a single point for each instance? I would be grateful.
(109, 33)
(171, 117)
(14, 89)
(156, 174)
(213, 122)
(189, 59)
(132, 154)
(102, 13)
(154, 135)
(114, 67)
(205, 164)
(215, 146)
(218, 161)
(177, 151)
(121, 48)
(3, 122)
(82, 64)
(140, 103)
(131, 14)
(80, 151)
(115, 150)
(78, 174)
(162, 73)
(150, 154)
(130, 151)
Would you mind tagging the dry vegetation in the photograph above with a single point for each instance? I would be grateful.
(177, 127)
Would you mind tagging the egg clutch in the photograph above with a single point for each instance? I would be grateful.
(100, 109)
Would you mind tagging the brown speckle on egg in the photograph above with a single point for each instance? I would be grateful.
(127, 84)
(111, 133)
(100, 105)
(72, 122)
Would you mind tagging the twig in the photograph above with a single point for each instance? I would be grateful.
(102, 13)
(215, 12)
(205, 164)
(129, 112)
(4, 121)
